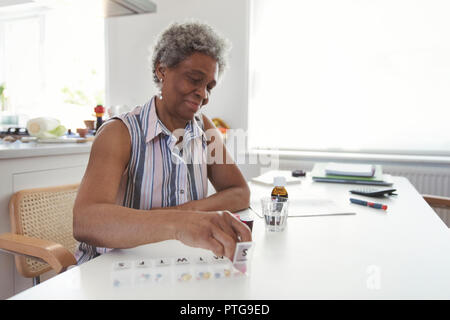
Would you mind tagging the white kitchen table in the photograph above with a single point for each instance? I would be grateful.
(403, 253)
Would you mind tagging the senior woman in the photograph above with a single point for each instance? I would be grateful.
(138, 187)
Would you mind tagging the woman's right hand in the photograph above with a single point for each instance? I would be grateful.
(218, 231)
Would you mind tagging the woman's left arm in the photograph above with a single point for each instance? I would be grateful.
(233, 193)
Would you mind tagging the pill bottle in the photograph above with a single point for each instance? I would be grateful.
(245, 218)
(279, 192)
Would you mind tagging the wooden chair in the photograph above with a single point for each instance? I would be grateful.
(41, 235)
(436, 201)
(440, 204)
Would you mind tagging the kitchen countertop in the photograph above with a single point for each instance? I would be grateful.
(18, 149)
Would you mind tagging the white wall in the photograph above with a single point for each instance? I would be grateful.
(130, 38)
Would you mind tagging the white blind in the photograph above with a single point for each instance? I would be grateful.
(350, 75)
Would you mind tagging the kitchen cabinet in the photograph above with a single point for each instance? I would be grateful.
(33, 165)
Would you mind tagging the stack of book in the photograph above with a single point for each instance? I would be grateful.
(350, 173)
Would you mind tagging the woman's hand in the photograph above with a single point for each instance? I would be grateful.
(218, 231)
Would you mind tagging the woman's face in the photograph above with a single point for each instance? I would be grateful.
(187, 86)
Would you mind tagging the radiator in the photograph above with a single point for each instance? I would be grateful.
(433, 181)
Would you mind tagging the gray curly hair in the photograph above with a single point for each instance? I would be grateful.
(179, 41)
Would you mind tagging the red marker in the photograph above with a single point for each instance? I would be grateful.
(369, 204)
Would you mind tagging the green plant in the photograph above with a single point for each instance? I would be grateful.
(75, 97)
(2, 96)
(85, 92)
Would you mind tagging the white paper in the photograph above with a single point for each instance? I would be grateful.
(267, 178)
(315, 206)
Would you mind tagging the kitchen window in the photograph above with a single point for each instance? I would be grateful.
(350, 76)
(21, 63)
(52, 62)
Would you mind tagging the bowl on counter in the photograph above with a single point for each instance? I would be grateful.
(82, 132)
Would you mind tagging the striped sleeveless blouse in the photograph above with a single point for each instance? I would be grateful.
(159, 173)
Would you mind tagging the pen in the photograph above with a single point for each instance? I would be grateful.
(369, 204)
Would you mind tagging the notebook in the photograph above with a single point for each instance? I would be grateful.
(318, 174)
(350, 169)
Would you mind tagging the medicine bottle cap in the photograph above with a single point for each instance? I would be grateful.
(279, 181)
